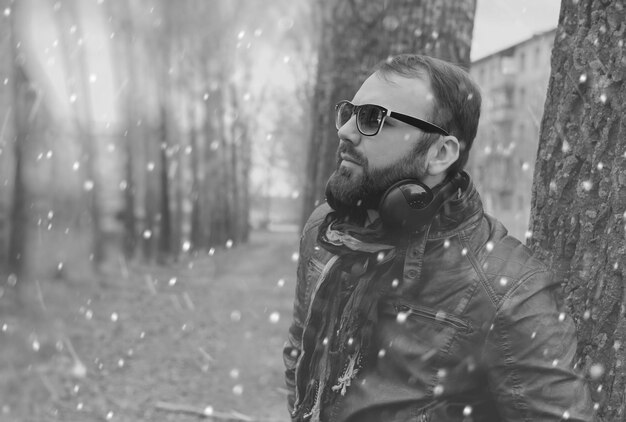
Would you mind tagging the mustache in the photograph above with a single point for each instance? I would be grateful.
(348, 149)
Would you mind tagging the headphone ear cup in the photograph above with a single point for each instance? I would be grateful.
(411, 205)
(407, 205)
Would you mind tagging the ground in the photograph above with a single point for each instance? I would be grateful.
(199, 339)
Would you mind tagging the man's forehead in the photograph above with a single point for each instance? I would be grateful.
(397, 93)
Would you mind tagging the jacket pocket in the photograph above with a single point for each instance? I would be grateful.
(439, 317)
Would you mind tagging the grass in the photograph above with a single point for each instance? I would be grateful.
(148, 343)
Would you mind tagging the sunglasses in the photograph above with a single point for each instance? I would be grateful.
(370, 118)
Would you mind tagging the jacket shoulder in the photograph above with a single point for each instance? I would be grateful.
(316, 218)
(507, 264)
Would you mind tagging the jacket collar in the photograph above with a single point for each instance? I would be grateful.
(462, 209)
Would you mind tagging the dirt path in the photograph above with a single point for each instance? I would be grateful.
(204, 334)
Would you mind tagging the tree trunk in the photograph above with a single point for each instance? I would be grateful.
(130, 221)
(76, 69)
(355, 35)
(165, 224)
(19, 208)
(198, 229)
(579, 193)
(23, 106)
(126, 75)
(7, 134)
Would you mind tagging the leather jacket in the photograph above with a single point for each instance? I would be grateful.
(476, 330)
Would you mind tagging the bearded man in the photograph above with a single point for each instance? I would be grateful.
(413, 304)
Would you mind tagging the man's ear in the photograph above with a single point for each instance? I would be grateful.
(442, 154)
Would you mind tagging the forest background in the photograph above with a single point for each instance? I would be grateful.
(157, 159)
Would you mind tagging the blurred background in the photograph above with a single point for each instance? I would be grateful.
(152, 128)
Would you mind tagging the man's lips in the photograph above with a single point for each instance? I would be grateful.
(346, 157)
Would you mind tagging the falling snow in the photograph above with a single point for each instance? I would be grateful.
(274, 317)
(130, 321)
(467, 411)
(596, 371)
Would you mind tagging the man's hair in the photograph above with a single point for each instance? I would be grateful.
(457, 98)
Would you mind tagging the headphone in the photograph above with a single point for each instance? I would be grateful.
(410, 205)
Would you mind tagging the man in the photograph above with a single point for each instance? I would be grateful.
(412, 304)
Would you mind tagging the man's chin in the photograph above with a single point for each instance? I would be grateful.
(346, 191)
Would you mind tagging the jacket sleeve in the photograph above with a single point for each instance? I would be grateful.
(293, 345)
(530, 353)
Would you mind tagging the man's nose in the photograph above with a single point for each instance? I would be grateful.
(349, 132)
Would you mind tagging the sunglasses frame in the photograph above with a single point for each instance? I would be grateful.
(413, 121)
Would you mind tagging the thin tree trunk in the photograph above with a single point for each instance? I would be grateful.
(198, 231)
(126, 76)
(578, 212)
(236, 164)
(210, 176)
(355, 35)
(23, 105)
(19, 209)
(224, 186)
(130, 221)
(7, 136)
(165, 231)
(82, 121)
(246, 162)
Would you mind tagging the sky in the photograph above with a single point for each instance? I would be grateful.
(502, 23)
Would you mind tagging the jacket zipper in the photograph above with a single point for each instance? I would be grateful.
(441, 317)
(423, 416)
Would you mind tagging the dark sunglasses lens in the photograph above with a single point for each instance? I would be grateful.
(369, 118)
(344, 113)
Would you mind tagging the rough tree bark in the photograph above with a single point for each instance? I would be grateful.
(579, 191)
(357, 34)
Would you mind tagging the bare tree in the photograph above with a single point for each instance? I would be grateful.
(24, 110)
(579, 193)
(77, 70)
(356, 35)
(6, 134)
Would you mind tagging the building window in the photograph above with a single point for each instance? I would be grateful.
(508, 65)
(509, 96)
(522, 61)
(538, 57)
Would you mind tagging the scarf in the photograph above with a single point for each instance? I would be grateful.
(343, 312)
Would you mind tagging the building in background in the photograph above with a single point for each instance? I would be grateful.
(513, 83)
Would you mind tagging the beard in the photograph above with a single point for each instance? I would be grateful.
(352, 190)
